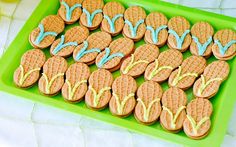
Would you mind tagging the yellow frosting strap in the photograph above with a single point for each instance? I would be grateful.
(157, 69)
(179, 77)
(205, 83)
(121, 104)
(71, 91)
(24, 76)
(173, 117)
(195, 125)
(97, 96)
(132, 64)
(49, 83)
(146, 110)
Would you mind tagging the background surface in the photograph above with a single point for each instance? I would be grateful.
(24, 123)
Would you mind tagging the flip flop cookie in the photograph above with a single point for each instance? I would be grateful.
(202, 39)
(136, 64)
(224, 47)
(75, 85)
(123, 100)
(186, 74)
(113, 21)
(156, 30)
(92, 14)
(161, 68)
(179, 37)
(111, 58)
(134, 27)
(174, 102)
(88, 51)
(46, 32)
(27, 74)
(70, 10)
(197, 123)
(99, 92)
(148, 108)
(65, 45)
(214, 74)
(52, 78)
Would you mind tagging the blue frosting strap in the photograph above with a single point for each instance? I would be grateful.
(134, 28)
(91, 16)
(108, 57)
(112, 21)
(202, 47)
(84, 51)
(70, 9)
(155, 33)
(61, 45)
(43, 34)
(222, 48)
(179, 39)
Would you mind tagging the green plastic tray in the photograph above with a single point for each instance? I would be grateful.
(223, 102)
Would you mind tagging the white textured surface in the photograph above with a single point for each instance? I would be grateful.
(24, 123)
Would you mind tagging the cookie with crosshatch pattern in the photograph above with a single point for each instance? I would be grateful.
(75, 85)
(123, 101)
(46, 32)
(148, 108)
(52, 78)
(27, 74)
(99, 92)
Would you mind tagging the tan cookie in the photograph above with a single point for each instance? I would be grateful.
(156, 32)
(161, 68)
(174, 102)
(111, 58)
(113, 21)
(197, 123)
(52, 78)
(139, 60)
(134, 27)
(46, 32)
(123, 101)
(70, 10)
(92, 14)
(75, 85)
(186, 74)
(88, 51)
(224, 47)
(99, 92)
(214, 74)
(179, 37)
(28, 72)
(148, 108)
(65, 45)
(202, 39)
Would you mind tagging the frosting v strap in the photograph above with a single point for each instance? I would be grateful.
(24, 76)
(69, 9)
(97, 96)
(71, 91)
(61, 45)
(195, 125)
(222, 48)
(49, 83)
(179, 39)
(202, 47)
(156, 32)
(43, 34)
(90, 17)
(107, 57)
(157, 69)
(84, 51)
(120, 105)
(134, 29)
(146, 110)
(112, 21)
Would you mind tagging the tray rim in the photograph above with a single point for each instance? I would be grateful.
(122, 122)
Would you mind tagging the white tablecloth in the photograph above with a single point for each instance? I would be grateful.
(25, 123)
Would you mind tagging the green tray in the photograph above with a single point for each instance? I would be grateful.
(223, 102)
